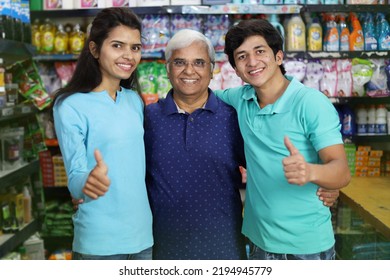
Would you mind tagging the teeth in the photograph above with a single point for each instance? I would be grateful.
(255, 71)
(127, 66)
(189, 81)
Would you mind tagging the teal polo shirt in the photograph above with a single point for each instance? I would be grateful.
(280, 217)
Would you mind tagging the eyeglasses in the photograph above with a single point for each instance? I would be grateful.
(199, 64)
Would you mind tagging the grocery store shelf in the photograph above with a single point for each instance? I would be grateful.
(186, 9)
(10, 177)
(366, 100)
(17, 112)
(371, 138)
(345, 8)
(13, 51)
(338, 54)
(9, 242)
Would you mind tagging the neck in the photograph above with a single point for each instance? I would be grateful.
(190, 103)
(271, 92)
(111, 88)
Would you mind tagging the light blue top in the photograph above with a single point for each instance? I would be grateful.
(279, 217)
(120, 222)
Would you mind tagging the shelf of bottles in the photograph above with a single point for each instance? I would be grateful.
(186, 9)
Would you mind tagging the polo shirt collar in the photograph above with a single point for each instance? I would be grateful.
(170, 106)
(284, 102)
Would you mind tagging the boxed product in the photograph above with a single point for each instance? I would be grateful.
(34, 248)
(89, 4)
(47, 168)
(185, 2)
(11, 148)
(152, 3)
(57, 4)
(121, 3)
(215, 2)
(60, 178)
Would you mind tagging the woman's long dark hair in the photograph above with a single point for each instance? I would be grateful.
(87, 75)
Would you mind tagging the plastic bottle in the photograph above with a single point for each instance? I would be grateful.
(344, 34)
(370, 42)
(384, 33)
(332, 37)
(7, 19)
(388, 122)
(76, 40)
(23, 253)
(2, 23)
(371, 120)
(361, 120)
(314, 36)
(26, 21)
(47, 37)
(381, 120)
(27, 205)
(356, 38)
(3, 96)
(17, 29)
(296, 34)
(348, 127)
(36, 35)
(274, 20)
(61, 40)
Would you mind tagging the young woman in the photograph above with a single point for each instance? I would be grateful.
(98, 119)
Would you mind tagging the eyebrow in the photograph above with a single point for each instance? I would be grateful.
(120, 42)
(255, 48)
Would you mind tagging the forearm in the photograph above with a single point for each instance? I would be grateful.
(332, 175)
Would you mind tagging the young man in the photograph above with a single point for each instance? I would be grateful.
(293, 146)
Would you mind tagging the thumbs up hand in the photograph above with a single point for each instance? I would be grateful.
(296, 169)
(98, 182)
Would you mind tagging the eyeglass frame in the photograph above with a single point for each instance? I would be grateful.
(186, 63)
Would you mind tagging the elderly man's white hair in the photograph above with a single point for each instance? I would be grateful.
(185, 37)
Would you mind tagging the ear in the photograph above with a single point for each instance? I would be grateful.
(279, 57)
(237, 72)
(93, 49)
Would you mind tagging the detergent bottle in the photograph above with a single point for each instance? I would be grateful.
(296, 34)
(370, 41)
(356, 39)
(332, 41)
(344, 33)
(314, 36)
(274, 20)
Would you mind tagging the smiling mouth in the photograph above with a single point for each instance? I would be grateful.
(189, 81)
(256, 71)
(125, 66)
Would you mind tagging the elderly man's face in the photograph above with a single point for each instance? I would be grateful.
(189, 70)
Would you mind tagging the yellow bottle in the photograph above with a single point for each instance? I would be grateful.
(47, 37)
(36, 35)
(61, 40)
(296, 34)
(76, 40)
(314, 36)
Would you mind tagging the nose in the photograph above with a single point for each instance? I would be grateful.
(252, 60)
(189, 67)
(127, 53)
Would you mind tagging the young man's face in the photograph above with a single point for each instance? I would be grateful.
(189, 70)
(256, 64)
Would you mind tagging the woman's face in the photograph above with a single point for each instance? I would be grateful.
(119, 55)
